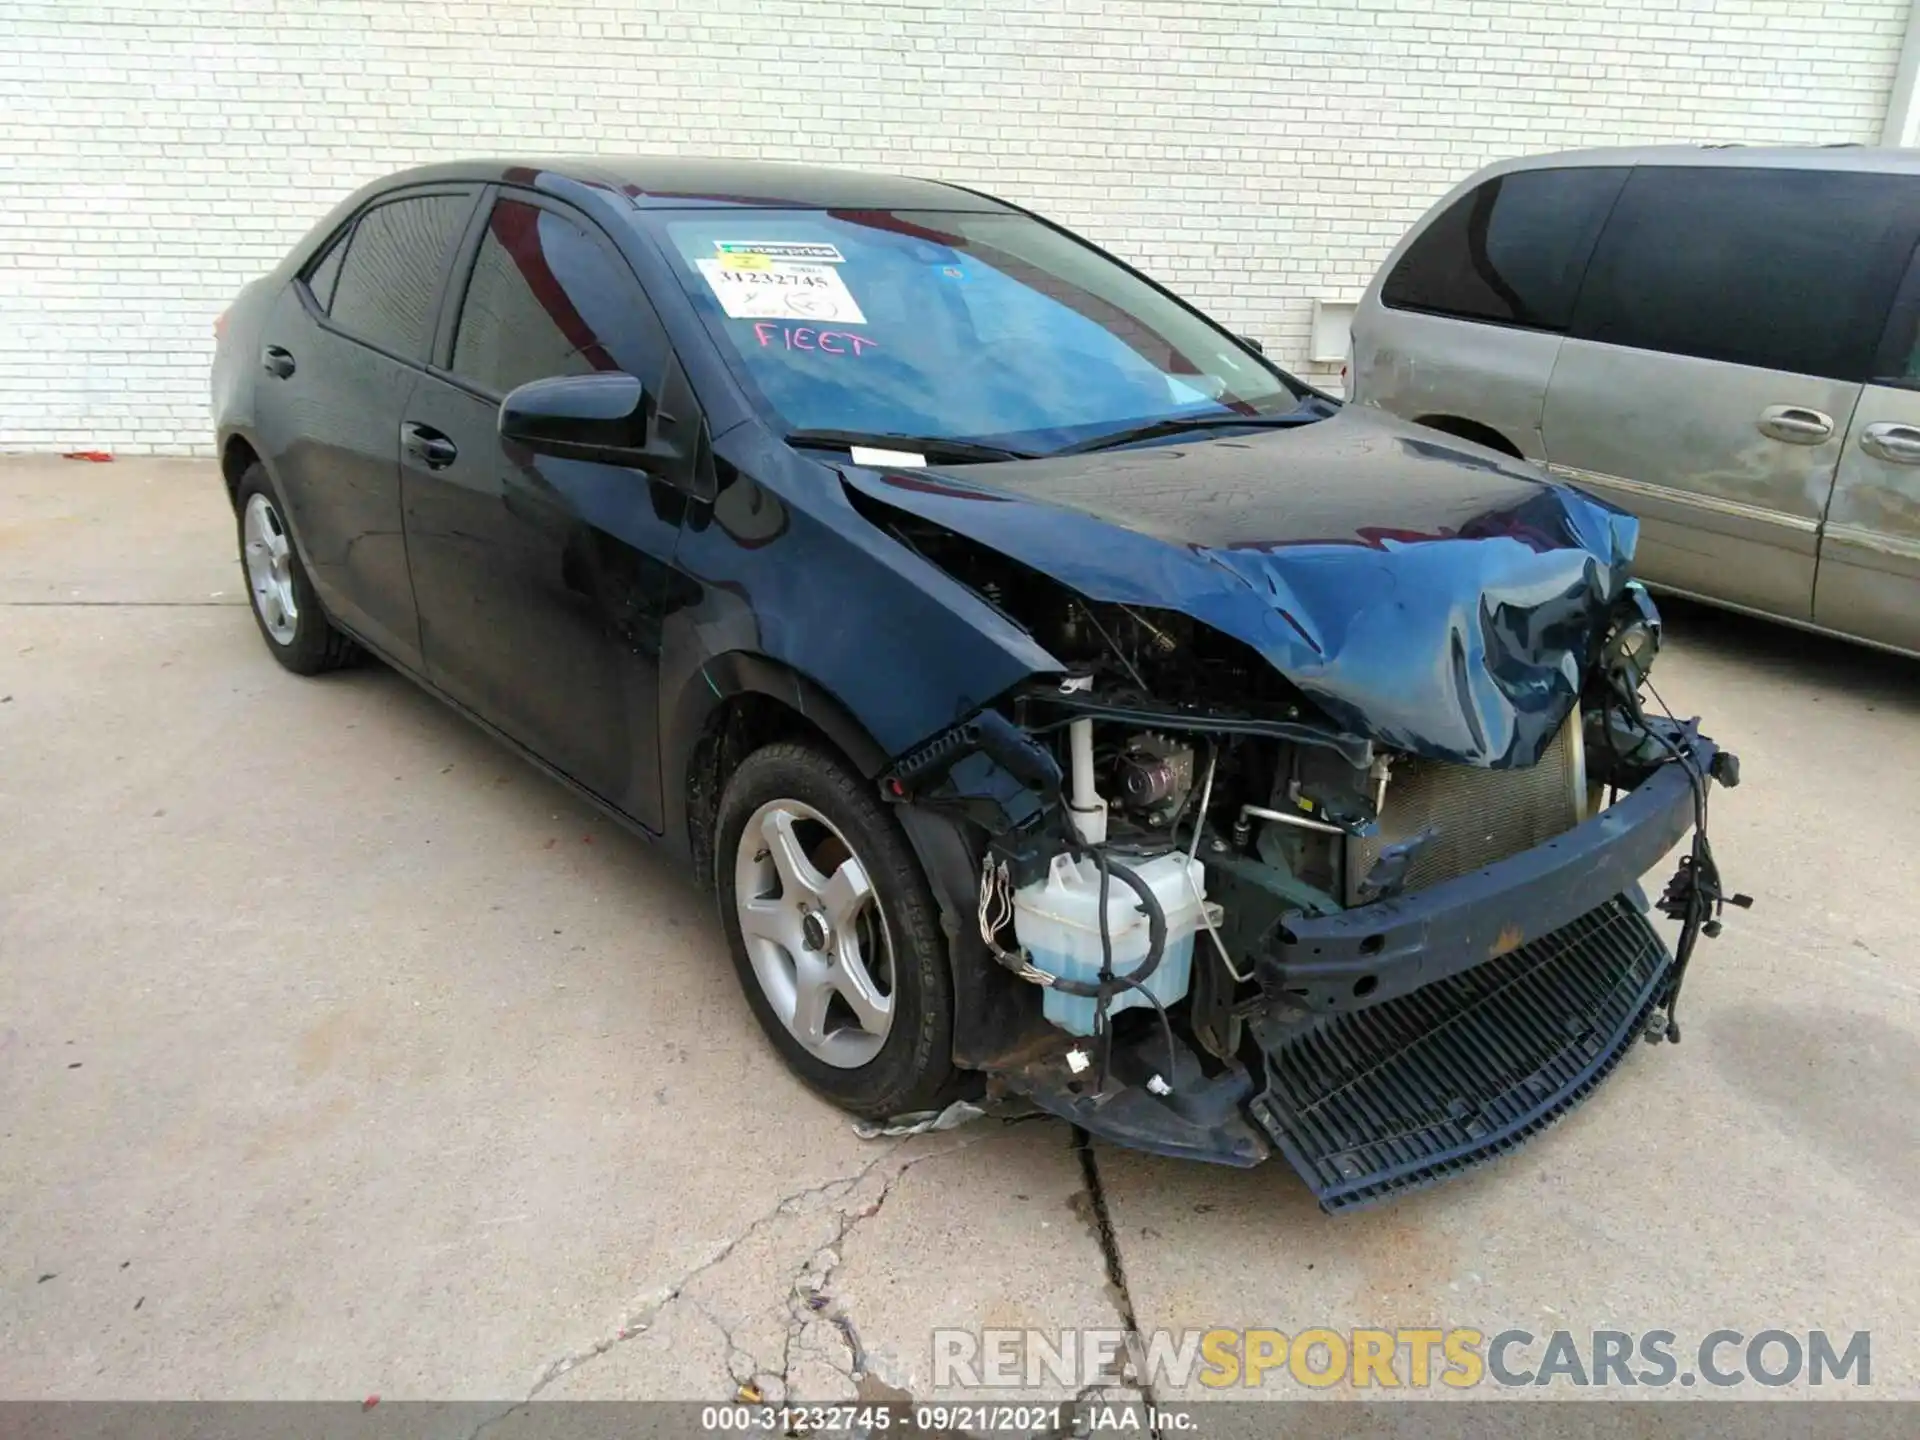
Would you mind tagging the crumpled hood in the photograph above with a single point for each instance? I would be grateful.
(1433, 595)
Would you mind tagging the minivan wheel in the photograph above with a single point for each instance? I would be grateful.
(284, 605)
(835, 938)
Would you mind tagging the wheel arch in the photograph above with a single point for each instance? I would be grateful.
(1462, 428)
(237, 455)
(732, 705)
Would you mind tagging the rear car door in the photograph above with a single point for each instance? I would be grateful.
(1717, 353)
(1869, 578)
(541, 582)
(1471, 315)
(341, 351)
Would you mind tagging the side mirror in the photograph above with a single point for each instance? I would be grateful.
(604, 417)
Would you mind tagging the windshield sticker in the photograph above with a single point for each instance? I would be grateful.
(805, 337)
(874, 455)
(782, 291)
(801, 250)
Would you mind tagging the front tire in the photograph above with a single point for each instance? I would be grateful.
(835, 938)
(285, 606)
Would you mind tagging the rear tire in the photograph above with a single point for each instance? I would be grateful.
(834, 935)
(284, 604)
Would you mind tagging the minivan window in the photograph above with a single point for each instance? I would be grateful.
(547, 298)
(1511, 252)
(1778, 269)
(386, 286)
(963, 325)
(1898, 360)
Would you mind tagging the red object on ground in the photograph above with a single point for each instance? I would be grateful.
(99, 457)
(369, 1402)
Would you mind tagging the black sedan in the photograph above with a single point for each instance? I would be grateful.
(1057, 696)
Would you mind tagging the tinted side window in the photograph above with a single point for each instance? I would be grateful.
(1898, 362)
(547, 298)
(385, 290)
(321, 277)
(1512, 251)
(1781, 269)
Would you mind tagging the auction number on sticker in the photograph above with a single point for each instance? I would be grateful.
(782, 290)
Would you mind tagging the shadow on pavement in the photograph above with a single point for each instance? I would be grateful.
(1818, 661)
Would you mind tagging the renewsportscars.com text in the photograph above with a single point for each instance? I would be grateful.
(1459, 1358)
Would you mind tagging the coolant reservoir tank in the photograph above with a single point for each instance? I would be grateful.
(1058, 922)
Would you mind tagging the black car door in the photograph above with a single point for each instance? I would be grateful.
(541, 581)
(340, 353)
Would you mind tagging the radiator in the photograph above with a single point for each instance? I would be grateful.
(1481, 815)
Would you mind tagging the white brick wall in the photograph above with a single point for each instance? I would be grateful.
(1253, 155)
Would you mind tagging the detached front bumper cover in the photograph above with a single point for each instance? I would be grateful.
(1416, 1037)
(1372, 1103)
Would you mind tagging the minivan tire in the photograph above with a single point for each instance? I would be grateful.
(912, 1068)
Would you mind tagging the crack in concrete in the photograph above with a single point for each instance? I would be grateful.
(1116, 1269)
(809, 1298)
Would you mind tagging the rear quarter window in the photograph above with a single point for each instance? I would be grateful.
(1788, 270)
(1511, 252)
(324, 273)
(392, 270)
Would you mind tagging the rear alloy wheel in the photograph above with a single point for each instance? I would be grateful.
(269, 560)
(291, 621)
(836, 941)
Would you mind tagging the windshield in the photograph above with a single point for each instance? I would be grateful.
(989, 327)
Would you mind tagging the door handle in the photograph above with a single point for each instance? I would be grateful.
(1795, 424)
(428, 446)
(277, 362)
(1899, 444)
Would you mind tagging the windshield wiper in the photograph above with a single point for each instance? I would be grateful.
(1182, 424)
(934, 447)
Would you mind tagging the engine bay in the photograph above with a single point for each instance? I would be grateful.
(1161, 818)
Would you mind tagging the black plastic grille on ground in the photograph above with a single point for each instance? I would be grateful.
(1378, 1101)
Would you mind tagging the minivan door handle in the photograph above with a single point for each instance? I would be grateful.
(1899, 444)
(1795, 424)
(277, 362)
(428, 446)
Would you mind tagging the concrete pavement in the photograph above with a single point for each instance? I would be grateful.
(341, 1053)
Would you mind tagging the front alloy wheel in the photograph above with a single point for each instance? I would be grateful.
(818, 942)
(834, 935)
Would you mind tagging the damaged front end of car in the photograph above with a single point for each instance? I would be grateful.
(1336, 855)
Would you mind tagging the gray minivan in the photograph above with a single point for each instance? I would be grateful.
(1722, 341)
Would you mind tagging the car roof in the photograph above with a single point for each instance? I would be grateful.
(1872, 159)
(690, 182)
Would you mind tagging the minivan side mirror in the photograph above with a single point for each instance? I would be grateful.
(604, 417)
